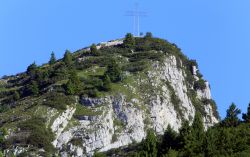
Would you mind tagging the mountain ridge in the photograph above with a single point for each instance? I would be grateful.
(104, 96)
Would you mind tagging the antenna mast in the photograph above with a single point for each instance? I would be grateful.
(136, 14)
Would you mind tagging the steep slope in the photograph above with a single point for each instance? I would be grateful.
(150, 84)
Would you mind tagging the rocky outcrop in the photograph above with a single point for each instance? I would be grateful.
(61, 122)
(124, 120)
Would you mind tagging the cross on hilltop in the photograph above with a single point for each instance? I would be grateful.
(136, 14)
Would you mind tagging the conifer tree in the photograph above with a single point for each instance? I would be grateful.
(114, 72)
(232, 119)
(148, 35)
(106, 83)
(170, 140)
(186, 138)
(33, 88)
(93, 50)
(198, 133)
(129, 41)
(246, 116)
(67, 59)
(73, 85)
(32, 68)
(52, 59)
(150, 145)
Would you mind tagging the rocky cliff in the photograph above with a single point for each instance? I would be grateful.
(125, 119)
(159, 96)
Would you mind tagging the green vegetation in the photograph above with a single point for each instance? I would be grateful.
(112, 70)
(129, 41)
(67, 58)
(93, 50)
(200, 84)
(58, 100)
(74, 85)
(32, 68)
(99, 155)
(246, 116)
(228, 138)
(32, 132)
(52, 59)
(85, 111)
(232, 116)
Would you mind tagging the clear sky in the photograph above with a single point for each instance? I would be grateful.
(216, 33)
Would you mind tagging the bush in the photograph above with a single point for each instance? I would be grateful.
(136, 66)
(129, 41)
(67, 58)
(74, 85)
(200, 85)
(52, 59)
(150, 55)
(32, 69)
(114, 72)
(106, 83)
(98, 154)
(32, 88)
(93, 50)
(40, 136)
(92, 93)
(58, 101)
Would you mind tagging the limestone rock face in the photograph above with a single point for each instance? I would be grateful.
(122, 119)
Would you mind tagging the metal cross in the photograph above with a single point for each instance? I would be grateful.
(136, 14)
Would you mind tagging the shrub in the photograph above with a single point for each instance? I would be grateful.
(129, 41)
(16, 96)
(149, 35)
(67, 58)
(200, 85)
(114, 72)
(58, 100)
(106, 83)
(136, 66)
(32, 68)
(40, 136)
(98, 154)
(150, 55)
(52, 59)
(74, 85)
(92, 92)
(93, 50)
(32, 88)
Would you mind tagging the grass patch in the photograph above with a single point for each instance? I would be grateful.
(85, 111)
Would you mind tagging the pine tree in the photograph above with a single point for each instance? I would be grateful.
(33, 88)
(210, 142)
(186, 138)
(232, 119)
(93, 50)
(198, 133)
(170, 140)
(73, 85)
(106, 83)
(129, 41)
(52, 59)
(148, 35)
(246, 116)
(67, 59)
(114, 72)
(31, 70)
(150, 144)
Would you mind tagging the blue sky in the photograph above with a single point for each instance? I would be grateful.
(216, 33)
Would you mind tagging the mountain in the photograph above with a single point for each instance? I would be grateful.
(102, 97)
